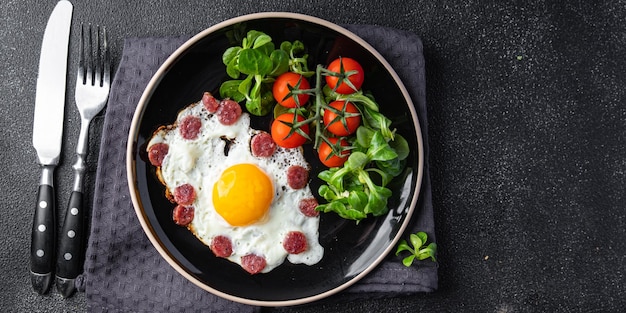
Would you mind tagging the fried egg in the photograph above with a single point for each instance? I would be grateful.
(239, 197)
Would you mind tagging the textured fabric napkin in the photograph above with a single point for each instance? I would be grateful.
(123, 271)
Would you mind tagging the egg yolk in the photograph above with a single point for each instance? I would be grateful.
(243, 194)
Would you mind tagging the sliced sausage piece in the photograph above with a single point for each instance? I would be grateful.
(253, 263)
(295, 242)
(184, 194)
(157, 152)
(183, 215)
(222, 246)
(189, 127)
(210, 103)
(262, 145)
(307, 207)
(297, 176)
(229, 111)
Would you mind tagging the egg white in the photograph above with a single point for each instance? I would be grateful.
(200, 162)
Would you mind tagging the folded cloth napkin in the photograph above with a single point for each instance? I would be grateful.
(124, 272)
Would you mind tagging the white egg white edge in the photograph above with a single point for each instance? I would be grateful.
(200, 162)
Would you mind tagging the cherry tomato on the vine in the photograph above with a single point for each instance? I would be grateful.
(282, 134)
(325, 153)
(281, 87)
(343, 66)
(344, 123)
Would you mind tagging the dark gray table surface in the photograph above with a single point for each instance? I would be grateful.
(527, 122)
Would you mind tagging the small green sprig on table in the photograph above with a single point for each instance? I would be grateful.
(419, 251)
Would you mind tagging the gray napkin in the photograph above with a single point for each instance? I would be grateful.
(123, 271)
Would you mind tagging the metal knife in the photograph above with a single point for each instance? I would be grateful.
(47, 135)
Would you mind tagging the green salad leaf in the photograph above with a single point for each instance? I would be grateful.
(253, 67)
(358, 189)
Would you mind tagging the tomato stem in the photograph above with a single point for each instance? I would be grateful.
(316, 118)
(318, 105)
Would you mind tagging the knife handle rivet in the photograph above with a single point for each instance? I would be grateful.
(41, 228)
(40, 253)
(43, 204)
(67, 256)
(71, 234)
(74, 211)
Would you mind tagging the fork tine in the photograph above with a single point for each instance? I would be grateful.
(107, 59)
(90, 72)
(97, 60)
(80, 78)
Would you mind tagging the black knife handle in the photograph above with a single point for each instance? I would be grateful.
(71, 240)
(43, 237)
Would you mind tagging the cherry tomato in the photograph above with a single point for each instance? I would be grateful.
(325, 150)
(281, 131)
(342, 66)
(335, 123)
(281, 86)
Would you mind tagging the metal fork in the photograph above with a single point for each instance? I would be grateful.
(92, 91)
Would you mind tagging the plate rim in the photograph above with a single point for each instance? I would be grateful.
(153, 83)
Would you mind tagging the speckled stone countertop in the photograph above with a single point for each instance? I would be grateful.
(527, 134)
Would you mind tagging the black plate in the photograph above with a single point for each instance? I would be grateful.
(351, 251)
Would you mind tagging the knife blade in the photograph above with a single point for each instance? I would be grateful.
(47, 136)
